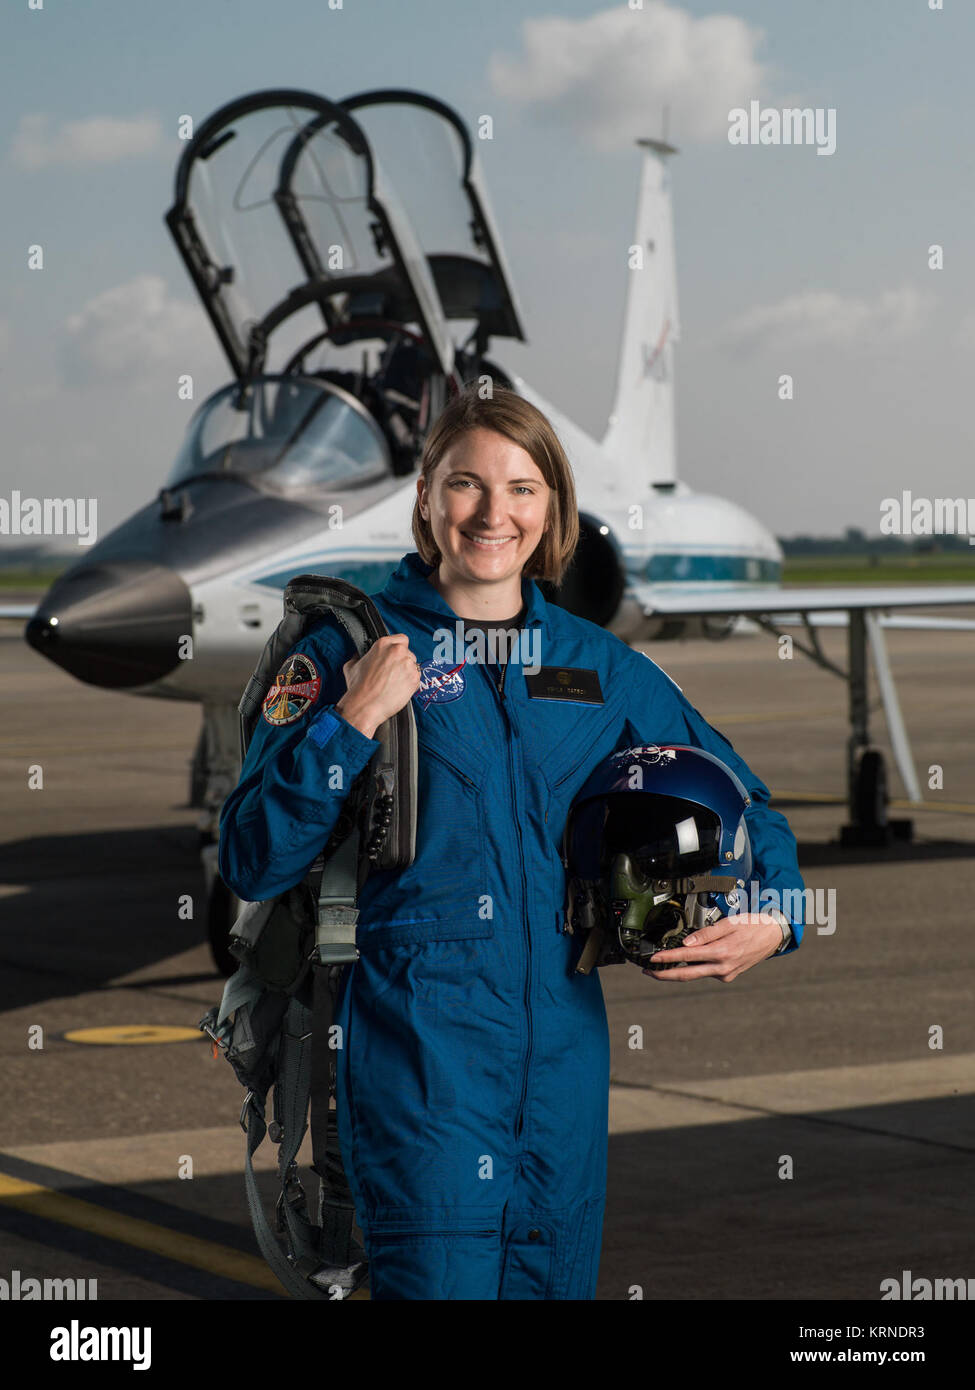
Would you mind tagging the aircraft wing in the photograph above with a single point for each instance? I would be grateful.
(911, 622)
(789, 603)
(17, 610)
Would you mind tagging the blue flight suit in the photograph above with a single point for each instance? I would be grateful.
(473, 1075)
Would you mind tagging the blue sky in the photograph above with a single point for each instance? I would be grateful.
(787, 261)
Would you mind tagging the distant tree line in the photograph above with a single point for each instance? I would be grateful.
(856, 542)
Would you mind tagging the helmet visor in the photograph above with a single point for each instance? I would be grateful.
(665, 836)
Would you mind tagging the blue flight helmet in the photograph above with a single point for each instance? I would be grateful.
(655, 846)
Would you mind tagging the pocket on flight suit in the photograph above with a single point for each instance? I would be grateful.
(564, 770)
(432, 1266)
(529, 1249)
(580, 1251)
(440, 896)
(577, 747)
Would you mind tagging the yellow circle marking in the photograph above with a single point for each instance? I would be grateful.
(132, 1035)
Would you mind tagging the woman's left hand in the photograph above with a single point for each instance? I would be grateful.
(724, 949)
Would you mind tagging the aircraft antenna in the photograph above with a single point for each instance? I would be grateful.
(663, 145)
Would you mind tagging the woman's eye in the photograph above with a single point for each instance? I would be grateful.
(469, 482)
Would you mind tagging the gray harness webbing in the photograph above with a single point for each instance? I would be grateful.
(281, 1033)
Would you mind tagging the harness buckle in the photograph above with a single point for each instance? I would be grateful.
(243, 1110)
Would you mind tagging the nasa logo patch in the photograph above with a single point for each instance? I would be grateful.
(440, 681)
(296, 687)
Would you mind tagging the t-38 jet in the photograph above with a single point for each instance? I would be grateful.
(347, 257)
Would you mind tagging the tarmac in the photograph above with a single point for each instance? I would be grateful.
(802, 1133)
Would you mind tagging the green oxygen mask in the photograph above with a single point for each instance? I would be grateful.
(647, 912)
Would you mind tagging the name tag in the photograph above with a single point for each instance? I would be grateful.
(565, 683)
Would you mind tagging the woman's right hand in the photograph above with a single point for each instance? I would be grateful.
(379, 683)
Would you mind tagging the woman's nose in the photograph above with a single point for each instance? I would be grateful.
(492, 511)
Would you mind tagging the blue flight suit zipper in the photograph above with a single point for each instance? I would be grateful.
(499, 688)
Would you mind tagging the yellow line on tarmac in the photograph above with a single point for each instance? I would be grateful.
(132, 1230)
(207, 1255)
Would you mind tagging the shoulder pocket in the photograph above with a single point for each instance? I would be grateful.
(566, 761)
(572, 755)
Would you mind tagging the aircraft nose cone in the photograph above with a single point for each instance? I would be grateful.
(115, 624)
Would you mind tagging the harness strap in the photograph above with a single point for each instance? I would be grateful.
(292, 1088)
(337, 912)
(336, 1208)
(252, 1119)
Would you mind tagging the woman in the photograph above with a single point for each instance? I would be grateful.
(474, 1072)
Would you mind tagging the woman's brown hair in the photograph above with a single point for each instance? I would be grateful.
(507, 413)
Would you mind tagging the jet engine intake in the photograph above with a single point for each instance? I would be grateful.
(592, 587)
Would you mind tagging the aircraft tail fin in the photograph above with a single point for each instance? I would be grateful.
(641, 427)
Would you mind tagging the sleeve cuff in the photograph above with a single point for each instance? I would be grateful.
(328, 724)
(322, 727)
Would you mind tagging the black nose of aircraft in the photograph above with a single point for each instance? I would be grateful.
(116, 624)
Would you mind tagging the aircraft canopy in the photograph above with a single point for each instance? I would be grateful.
(426, 147)
(291, 432)
(280, 188)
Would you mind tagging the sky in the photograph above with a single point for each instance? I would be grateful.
(788, 262)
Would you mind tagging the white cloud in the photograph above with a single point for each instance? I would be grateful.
(39, 142)
(135, 331)
(609, 76)
(823, 318)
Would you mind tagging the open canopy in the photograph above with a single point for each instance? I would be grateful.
(427, 150)
(280, 189)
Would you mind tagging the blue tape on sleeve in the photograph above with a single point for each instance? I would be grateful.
(323, 727)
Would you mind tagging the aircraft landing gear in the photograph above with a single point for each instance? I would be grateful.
(867, 793)
(869, 799)
(866, 774)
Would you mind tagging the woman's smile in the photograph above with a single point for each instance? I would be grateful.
(488, 541)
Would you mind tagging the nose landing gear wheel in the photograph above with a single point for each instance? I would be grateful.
(869, 800)
(870, 794)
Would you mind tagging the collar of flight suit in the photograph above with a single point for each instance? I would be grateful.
(408, 586)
